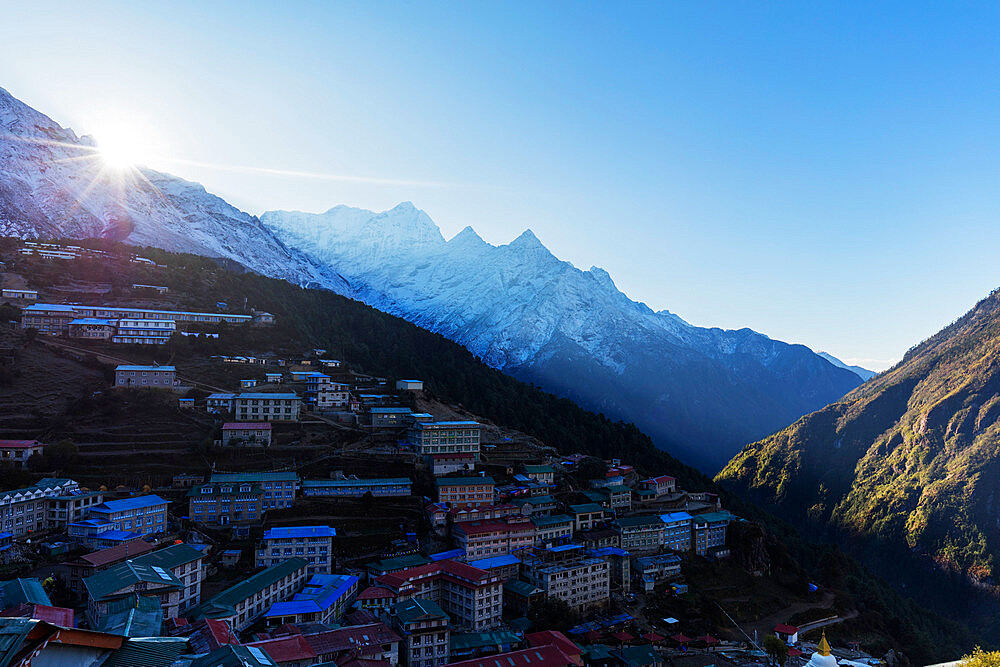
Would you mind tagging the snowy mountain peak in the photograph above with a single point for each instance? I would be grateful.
(467, 238)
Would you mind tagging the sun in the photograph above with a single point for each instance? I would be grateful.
(124, 142)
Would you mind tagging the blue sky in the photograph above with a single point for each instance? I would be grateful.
(825, 173)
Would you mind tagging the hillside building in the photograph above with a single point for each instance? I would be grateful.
(425, 633)
(17, 452)
(568, 573)
(445, 437)
(267, 407)
(465, 491)
(145, 377)
(246, 601)
(246, 434)
(313, 543)
(324, 599)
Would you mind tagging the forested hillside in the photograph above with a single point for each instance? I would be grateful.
(905, 470)
(372, 341)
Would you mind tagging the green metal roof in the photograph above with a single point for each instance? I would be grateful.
(534, 500)
(398, 563)
(173, 556)
(618, 488)
(521, 587)
(411, 611)
(235, 656)
(551, 520)
(148, 652)
(585, 508)
(230, 597)
(108, 582)
(133, 616)
(28, 591)
(464, 481)
(596, 496)
(539, 469)
(715, 517)
(637, 656)
(633, 521)
(12, 634)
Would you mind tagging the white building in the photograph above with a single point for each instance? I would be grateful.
(146, 377)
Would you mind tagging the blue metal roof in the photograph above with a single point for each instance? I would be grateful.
(283, 532)
(131, 503)
(495, 561)
(671, 517)
(446, 555)
(321, 592)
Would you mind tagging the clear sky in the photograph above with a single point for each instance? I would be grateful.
(823, 173)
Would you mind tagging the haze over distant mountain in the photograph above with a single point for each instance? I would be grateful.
(700, 392)
(862, 373)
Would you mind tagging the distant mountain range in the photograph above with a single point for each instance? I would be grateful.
(701, 393)
(862, 373)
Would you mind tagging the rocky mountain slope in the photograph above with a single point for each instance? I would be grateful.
(700, 392)
(908, 463)
(53, 184)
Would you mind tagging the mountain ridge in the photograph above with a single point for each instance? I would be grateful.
(702, 392)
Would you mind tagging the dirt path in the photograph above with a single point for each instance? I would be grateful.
(765, 626)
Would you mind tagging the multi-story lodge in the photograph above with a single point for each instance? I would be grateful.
(221, 504)
(54, 319)
(146, 515)
(246, 434)
(465, 491)
(24, 511)
(267, 407)
(445, 437)
(142, 332)
(568, 573)
(709, 530)
(659, 486)
(184, 562)
(544, 474)
(482, 539)
(97, 561)
(426, 635)
(676, 531)
(324, 599)
(72, 506)
(390, 417)
(314, 543)
(382, 487)
(472, 597)
(94, 328)
(640, 534)
(143, 377)
(246, 601)
(278, 487)
(586, 516)
(552, 530)
(17, 452)
(126, 579)
(651, 570)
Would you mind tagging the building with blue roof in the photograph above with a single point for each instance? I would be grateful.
(312, 543)
(146, 515)
(506, 566)
(677, 530)
(324, 599)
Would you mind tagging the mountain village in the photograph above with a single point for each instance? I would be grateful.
(338, 518)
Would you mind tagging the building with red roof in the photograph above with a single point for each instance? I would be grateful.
(17, 452)
(557, 639)
(246, 434)
(376, 598)
(55, 615)
(787, 633)
(372, 641)
(472, 597)
(660, 486)
(292, 650)
(97, 561)
(537, 656)
(496, 537)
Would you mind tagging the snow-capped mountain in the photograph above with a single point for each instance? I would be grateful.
(53, 184)
(703, 393)
(518, 307)
(860, 371)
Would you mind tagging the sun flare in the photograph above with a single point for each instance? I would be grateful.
(124, 142)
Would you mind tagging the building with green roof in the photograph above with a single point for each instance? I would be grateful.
(239, 603)
(23, 591)
(425, 631)
(124, 579)
(186, 563)
(133, 616)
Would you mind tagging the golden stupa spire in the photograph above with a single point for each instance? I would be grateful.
(823, 648)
